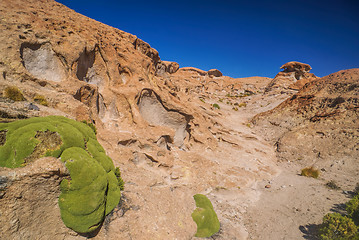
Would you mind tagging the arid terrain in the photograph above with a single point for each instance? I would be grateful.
(174, 132)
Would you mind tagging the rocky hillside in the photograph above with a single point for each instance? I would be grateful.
(156, 121)
(319, 124)
(173, 131)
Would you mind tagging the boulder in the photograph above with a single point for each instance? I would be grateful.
(214, 73)
(296, 67)
(171, 67)
(294, 76)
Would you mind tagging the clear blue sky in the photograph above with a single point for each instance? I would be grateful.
(240, 38)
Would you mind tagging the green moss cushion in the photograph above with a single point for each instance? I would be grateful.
(93, 189)
(205, 217)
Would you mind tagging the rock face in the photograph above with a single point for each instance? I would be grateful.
(174, 132)
(156, 122)
(32, 193)
(319, 124)
(294, 76)
(166, 67)
(297, 67)
(214, 73)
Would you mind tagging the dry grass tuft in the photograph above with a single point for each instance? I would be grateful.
(13, 93)
(310, 172)
(41, 100)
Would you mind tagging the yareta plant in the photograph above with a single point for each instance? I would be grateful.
(94, 187)
(205, 217)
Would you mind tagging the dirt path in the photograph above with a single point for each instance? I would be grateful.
(292, 206)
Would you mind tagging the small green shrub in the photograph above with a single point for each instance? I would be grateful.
(14, 94)
(310, 172)
(352, 208)
(235, 108)
(91, 125)
(205, 217)
(202, 100)
(215, 105)
(41, 100)
(336, 226)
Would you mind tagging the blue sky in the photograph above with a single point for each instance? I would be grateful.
(240, 38)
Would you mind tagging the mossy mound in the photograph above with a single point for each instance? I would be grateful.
(205, 217)
(93, 190)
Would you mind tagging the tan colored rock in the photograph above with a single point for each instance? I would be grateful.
(296, 67)
(192, 69)
(32, 193)
(167, 67)
(214, 73)
(318, 124)
(294, 76)
(168, 144)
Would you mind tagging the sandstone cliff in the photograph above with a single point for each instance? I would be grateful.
(155, 120)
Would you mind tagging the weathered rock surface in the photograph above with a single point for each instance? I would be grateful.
(159, 125)
(168, 143)
(29, 200)
(214, 73)
(319, 124)
(166, 67)
(294, 76)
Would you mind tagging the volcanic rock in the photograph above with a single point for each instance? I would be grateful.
(294, 76)
(318, 124)
(166, 67)
(214, 73)
(168, 143)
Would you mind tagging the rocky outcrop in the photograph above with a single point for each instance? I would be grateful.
(166, 67)
(210, 73)
(319, 124)
(214, 73)
(294, 76)
(29, 198)
(194, 70)
(153, 111)
(148, 118)
(298, 68)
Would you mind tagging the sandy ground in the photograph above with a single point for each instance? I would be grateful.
(291, 206)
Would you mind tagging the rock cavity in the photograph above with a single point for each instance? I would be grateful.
(42, 62)
(153, 111)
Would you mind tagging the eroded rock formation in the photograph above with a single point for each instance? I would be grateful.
(174, 132)
(150, 115)
(294, 76)
(319, 124)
